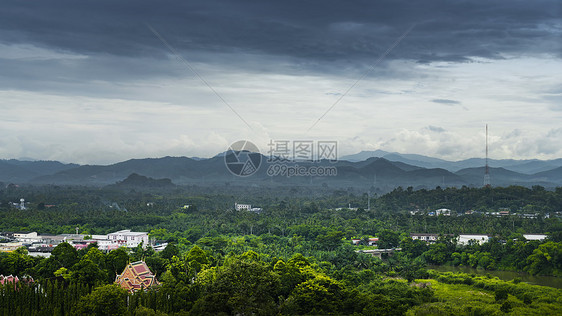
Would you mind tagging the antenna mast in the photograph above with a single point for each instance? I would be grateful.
(487, 169)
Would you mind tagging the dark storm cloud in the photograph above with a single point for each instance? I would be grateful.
(311, 31)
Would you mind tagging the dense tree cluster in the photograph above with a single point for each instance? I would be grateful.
(202, 283)
(516, 254)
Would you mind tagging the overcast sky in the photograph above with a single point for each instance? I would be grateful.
(89, 81)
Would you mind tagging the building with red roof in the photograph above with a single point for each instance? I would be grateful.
(136, 276)
(14, 279)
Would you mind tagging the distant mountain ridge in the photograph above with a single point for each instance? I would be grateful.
(527, 166)
(14, 170)
(377, 173)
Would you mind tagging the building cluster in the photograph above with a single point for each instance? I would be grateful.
(20, 205)
(466, 239)
(46, 242)
(14, 279)
(441, 211)
(371, 241)
(500, 213)
(463, 239)
(135, 277)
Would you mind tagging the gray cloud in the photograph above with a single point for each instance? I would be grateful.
(335, 30)
(436, 129)
(265, 36)
(446, 101)
(78, 64)
(450, 103)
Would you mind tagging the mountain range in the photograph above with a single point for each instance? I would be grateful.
(529, 166)
(377, 170)
(21, 171)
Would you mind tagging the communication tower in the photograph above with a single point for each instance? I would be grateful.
(487, 182)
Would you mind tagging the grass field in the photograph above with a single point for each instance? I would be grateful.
(462, 299)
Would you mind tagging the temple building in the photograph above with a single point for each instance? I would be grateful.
(136, 276)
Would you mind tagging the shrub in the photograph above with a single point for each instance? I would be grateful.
(500, 294)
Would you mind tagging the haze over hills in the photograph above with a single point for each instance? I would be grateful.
(376, 173)
(528, 166)
(24, 170)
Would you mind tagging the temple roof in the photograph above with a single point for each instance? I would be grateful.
(136, 276)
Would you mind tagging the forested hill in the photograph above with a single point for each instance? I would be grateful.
(134, 181)
(379, 174)
(525, 166)
(23, 171)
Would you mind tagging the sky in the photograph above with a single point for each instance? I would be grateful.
(98, 82)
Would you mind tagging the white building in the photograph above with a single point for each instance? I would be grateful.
(239, 207)
(538, 237)
(49, 239)
(443, 211)
(108, 245)
(11, 246)
(428, 238)
(104, 243)
(465, 239)
(373, 241)
(26, 236)
(129, 239)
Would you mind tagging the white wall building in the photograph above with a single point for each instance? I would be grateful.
(131, 239)
(245, 207)
(429, 238)
(465, 239)
(108, 245)
(9, 247)
(534, 236)
(26, 236)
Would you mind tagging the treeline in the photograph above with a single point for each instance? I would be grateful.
(195, 222)
(515, 254)
(306, 199)
(514, 198)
